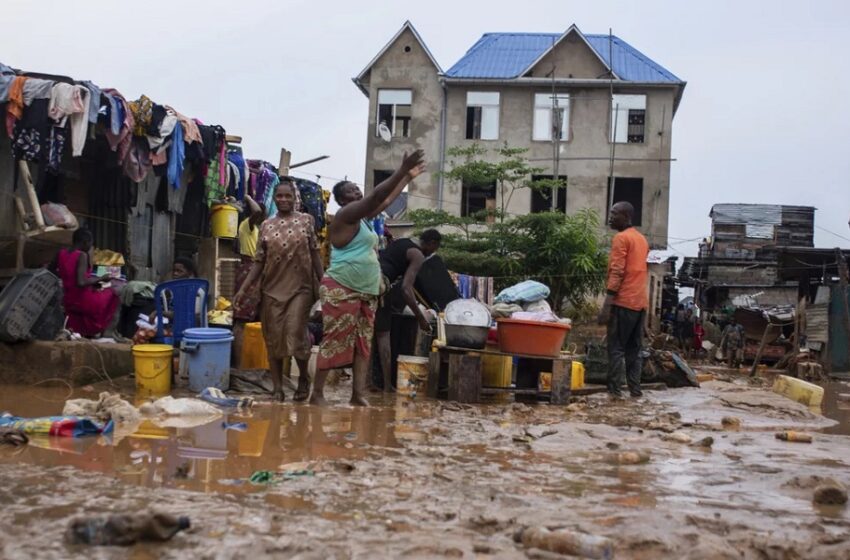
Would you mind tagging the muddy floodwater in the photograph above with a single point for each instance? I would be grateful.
(419, 478)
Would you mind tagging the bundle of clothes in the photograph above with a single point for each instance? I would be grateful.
(525, 301)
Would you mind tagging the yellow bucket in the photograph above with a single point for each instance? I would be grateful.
(153, 368)
(412, 373)
(577, 376)
(496, 370)
(254, 353)
(224, 220)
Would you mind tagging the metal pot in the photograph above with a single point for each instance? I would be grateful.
(465, 336)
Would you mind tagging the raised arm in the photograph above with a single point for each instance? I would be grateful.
(385, 192)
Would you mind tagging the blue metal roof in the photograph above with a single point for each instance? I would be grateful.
(507, 55)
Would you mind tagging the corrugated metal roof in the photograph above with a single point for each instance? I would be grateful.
(755, 214)
(507, 55)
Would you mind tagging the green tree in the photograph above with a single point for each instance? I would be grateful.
(566, 253)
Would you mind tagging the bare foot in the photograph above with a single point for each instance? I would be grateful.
(303, 390)
(357, 400)
(318, 400)
(279, 395)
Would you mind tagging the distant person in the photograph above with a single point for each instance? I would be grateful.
(352, 283)
(627, 300)
(400, 263)
(699, 335)
(92, 309)
(732, 343)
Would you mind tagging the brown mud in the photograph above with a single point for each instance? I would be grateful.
(419, 478)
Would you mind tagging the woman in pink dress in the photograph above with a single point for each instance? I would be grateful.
(91, 310)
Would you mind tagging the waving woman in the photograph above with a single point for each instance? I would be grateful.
(352, 284)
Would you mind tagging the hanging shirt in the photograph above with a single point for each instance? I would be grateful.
(176, 154)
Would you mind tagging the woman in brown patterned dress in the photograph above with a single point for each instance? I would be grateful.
(288, 266)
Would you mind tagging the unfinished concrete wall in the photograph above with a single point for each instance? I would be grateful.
(406, 65)
(584, 156)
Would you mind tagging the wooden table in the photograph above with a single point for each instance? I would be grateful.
(461, 368)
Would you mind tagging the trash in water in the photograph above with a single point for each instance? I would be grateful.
(794, 436)
(169, 406)
(63, 426)
(108, 406)
(124, 529)
(563, 541)
(13, 437)
(219, 398)
(276, 477)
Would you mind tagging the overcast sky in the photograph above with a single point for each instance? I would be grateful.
(765, 116)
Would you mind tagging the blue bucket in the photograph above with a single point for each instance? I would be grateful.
(205, 353)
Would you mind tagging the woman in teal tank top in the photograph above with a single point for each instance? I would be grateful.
(352, 284)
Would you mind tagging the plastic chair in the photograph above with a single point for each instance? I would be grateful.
(183, 296)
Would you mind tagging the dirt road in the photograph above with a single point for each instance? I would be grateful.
(413, 478)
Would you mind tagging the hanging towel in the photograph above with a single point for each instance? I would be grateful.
(71, 101)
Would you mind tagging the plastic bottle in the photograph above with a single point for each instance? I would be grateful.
(794, 436)
(124, 530)
(563, 541)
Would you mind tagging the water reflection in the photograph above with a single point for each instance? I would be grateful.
(211, 457)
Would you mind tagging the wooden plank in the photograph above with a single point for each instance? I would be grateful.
(761, 349)
(561, 380)
(433, 375)
(31, 195)
(285, 160)
(464, 378)
(497, 353)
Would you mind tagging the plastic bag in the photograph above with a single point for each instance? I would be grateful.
(169, 406)
(58, 215)
(525, 292)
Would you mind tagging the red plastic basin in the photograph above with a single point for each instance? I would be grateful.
(531, 337)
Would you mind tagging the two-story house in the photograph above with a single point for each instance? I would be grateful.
(587, 107)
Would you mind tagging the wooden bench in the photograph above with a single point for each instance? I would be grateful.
(457, 374)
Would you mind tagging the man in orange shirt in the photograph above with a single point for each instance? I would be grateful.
(626, 302)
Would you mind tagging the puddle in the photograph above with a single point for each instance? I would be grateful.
(210, 458)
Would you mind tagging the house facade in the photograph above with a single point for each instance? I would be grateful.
(557, 95)
(739, 265)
